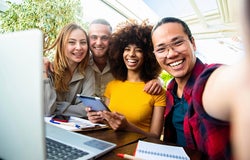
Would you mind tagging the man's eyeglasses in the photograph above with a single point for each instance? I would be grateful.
(102, 38)
(163, 50)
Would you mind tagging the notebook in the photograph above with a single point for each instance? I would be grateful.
(152, 151)
(22, 125)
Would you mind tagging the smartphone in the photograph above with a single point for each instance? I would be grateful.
(95, 103)
(61, 118)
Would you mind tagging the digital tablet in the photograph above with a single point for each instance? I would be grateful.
(95, 103)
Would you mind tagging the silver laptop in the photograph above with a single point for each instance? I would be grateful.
(22, 126)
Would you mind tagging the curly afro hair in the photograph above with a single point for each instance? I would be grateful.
(132, 33)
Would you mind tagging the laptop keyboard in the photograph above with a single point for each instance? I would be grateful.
(57, 150)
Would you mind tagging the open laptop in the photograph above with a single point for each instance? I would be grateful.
(22, 126)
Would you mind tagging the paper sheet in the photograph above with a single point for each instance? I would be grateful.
(152, 151)
(85, 124)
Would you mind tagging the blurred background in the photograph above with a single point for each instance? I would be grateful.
(214, 23)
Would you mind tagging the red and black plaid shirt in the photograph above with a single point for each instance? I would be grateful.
(201, 131)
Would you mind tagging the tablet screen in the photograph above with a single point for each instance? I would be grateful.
(95, 103)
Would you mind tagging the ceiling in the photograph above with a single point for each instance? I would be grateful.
(209, 19)
(212, 22)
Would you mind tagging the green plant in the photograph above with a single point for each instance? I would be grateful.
(48, 16)
(165, 76)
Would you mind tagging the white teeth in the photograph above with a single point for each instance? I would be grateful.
(77, 54)
(98, 48)
(176, 63)
(131, 60)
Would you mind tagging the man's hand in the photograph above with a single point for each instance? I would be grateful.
(153, 87)
(48, 66)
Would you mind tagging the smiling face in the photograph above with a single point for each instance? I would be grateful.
(173, 50)
(76, 47)
(133, 57)
(99, 35)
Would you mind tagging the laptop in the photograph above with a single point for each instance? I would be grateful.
(24, 134)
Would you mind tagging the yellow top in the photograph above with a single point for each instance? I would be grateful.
(129, 99)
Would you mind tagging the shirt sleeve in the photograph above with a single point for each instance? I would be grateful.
(160, 100)
(49, 97)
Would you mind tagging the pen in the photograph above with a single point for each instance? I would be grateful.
(67, 124)
(126, 156)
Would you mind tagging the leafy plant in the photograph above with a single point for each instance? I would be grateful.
(48, 16)
(166, 77)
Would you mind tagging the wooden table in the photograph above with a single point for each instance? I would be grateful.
(127, 141)
(120, 138)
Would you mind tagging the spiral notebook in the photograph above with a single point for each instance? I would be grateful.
(153, 151)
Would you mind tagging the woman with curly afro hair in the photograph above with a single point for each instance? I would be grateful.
(133, 64)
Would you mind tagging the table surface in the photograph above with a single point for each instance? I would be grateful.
(126, 143)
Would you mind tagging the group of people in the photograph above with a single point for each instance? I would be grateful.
(132, 64)
(204, 106)
(76, 70)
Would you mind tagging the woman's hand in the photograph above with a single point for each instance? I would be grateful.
(115, 120)
(94, 117)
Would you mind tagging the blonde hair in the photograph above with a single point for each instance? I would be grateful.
(62, 75)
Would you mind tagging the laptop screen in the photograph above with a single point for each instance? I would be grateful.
(21, 104)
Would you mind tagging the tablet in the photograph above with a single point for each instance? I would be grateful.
(95, 103)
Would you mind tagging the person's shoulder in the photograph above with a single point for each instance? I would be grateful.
(209, 69)
(161, 94)
(114, 82)
(91, 60)
(88, 72)
(212, 65)
(88, 69)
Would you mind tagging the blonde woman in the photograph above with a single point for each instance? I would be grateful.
(71, 75)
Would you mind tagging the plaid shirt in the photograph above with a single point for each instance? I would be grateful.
(201, 131)
(169, 130)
